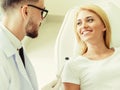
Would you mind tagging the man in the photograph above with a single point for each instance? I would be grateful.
(20, 18)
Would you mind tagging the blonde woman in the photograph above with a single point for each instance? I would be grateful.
(98, 65)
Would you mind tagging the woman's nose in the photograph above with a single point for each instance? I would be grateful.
(84, 25)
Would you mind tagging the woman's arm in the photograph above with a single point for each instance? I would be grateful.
(71, 86)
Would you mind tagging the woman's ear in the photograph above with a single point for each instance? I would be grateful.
(24, 11)
(104, 29)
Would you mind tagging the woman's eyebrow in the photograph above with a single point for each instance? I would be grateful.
(85, 18)
(89, 17)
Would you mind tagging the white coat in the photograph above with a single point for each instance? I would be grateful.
(13, 75)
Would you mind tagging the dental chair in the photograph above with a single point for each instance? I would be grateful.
(65, 42)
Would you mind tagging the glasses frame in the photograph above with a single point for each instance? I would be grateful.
(43, 10)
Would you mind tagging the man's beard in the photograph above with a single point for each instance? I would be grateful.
(32, 29)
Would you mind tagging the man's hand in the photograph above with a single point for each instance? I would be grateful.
(53, 85)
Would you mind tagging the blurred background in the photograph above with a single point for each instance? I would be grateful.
(41, 49)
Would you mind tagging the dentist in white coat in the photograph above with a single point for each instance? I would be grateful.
(20, 18)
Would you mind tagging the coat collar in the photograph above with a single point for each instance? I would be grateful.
(6, 45)
(9, 43)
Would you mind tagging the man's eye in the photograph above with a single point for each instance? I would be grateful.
(42, 13)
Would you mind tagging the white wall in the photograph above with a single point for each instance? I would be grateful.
(60, 7)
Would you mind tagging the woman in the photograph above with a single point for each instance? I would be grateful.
(98, 65)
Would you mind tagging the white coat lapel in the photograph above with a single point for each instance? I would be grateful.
(21, 68)
(31, 72)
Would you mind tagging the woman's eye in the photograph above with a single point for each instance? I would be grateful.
(90, 20)
(79, 23)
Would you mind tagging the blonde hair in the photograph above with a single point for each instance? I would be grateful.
(103, 16)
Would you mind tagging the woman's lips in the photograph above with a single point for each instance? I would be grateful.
(85, 31)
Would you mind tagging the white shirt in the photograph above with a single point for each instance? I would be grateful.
(94, 75)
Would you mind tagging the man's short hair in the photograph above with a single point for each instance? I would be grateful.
(6, 4)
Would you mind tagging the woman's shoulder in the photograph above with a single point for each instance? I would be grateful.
(76, 60)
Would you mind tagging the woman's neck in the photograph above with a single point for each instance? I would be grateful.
(98, 52)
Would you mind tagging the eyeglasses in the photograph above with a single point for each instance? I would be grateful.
(44, 12)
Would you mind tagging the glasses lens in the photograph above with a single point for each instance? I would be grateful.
(43, 14)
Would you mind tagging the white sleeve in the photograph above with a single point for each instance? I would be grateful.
(69, 74)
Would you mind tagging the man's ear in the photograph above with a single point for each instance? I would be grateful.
(24, 11)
